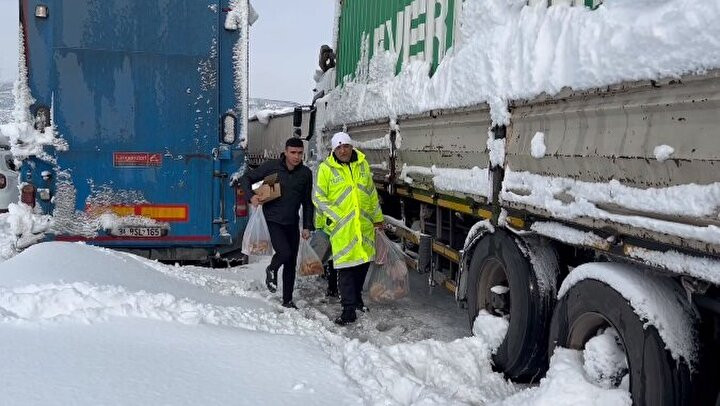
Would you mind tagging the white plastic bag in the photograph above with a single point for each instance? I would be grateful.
(381, 248)
(389, 281)
(320, 243)
(309, 262)
(256, 240)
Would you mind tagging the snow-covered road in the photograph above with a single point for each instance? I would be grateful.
(86, 325)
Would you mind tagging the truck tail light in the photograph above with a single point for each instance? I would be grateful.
(3, 181)
(27, 195)
(228, 128)
(241, 206)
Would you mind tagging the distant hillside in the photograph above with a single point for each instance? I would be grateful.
(6, 102)
(256, 105)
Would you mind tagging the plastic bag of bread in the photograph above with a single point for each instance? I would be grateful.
(256, 239)
(381, 249)
(389, 281)
(309, 263)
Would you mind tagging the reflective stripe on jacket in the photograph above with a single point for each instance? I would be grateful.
(345, 197)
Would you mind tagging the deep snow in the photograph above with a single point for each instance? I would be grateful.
(86, 325)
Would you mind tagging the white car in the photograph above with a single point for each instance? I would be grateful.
(8, 181)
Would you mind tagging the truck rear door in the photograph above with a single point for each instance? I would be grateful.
(137, 99)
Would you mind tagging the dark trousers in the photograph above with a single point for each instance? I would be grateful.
(332, 277)
(351, 281)
(285, 241)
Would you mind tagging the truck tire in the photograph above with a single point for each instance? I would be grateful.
(655, 377)
(499, 260)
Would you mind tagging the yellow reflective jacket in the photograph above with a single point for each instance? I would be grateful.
(345, 197)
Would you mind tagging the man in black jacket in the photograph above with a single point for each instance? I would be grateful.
(281, 213)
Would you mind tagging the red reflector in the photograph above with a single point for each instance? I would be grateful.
(241, 208)
(3, 181)
(27, 195)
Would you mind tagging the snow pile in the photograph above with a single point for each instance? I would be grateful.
(506, 50)
(20, 227)
(491, 329)
(566, 384)
(426, 373)
(684, 200)
(472, 181)
(537, 145)
(605, 361)
(25, 139)
(656, 300)
(188, 335)
(663, 152)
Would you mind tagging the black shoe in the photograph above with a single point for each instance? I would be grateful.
(340, 321)
(271, 280)
(348, 316)
(331, 293)
(289, 305)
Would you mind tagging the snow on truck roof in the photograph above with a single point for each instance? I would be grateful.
(509, 50)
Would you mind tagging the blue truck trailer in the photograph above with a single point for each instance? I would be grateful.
(147, 104)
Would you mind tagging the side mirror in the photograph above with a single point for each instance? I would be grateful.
(297, 117)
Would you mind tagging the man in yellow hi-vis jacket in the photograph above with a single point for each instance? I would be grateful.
(345, 196)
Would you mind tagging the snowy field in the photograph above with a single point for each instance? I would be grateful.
(6, 102)
(86, 325)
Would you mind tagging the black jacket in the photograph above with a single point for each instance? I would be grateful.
(295, 191)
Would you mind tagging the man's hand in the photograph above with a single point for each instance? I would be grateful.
(255, 201)
(379, 226)
(305, 234)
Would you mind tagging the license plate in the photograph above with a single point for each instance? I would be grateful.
(149, 232)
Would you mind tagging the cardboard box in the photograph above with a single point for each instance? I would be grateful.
(269, 190)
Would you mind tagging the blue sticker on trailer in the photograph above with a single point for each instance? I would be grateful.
(138, 90)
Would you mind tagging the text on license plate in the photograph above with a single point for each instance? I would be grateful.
(138, 231)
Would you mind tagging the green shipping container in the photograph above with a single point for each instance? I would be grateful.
(412, 29)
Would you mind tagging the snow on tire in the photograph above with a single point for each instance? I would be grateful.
(505, 279)
(590, 305)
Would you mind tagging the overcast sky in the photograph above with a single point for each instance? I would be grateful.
(8, 39)
(284, 45)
